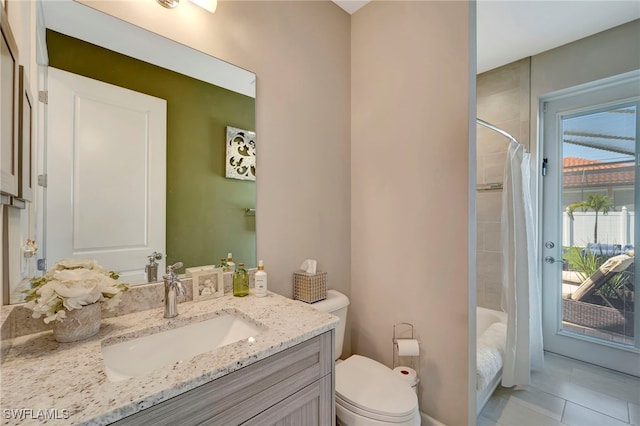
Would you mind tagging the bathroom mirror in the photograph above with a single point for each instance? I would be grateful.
(207, 214)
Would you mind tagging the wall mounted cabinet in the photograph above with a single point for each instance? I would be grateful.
(9, 114)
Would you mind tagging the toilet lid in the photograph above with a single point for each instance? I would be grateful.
(374, 388)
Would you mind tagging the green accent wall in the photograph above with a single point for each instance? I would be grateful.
(205, 211)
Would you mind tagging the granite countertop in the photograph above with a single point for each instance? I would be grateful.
(41, 378)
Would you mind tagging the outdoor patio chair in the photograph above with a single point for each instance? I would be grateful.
(612, 266)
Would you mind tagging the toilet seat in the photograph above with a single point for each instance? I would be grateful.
(374, 391)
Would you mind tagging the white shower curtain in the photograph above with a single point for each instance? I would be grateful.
(521, 296)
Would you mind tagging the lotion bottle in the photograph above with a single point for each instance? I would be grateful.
(261, 280)
(230, 264)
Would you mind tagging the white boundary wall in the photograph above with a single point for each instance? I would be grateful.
(613, 228)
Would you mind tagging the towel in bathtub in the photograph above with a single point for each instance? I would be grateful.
(490, 354)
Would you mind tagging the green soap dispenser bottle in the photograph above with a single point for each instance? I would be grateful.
(240, 281)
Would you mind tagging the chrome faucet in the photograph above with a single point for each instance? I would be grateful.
(172, 289)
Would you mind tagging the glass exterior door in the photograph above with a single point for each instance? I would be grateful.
(590, 227)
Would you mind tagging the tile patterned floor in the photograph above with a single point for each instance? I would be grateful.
(567, 392)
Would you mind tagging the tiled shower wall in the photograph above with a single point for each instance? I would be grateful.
(502, 100)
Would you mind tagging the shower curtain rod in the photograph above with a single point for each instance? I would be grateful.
(497, 129)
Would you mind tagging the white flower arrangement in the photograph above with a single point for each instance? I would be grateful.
(71, 284)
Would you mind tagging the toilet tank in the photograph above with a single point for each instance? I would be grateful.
(336, 304)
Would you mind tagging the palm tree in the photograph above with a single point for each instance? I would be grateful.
(595, 202)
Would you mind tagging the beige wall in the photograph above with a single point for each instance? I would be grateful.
(300, 53)
(502, 100)
(409, 191)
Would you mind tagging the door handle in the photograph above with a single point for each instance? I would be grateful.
(551, 259)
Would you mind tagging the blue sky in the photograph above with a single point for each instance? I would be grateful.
(615, 128)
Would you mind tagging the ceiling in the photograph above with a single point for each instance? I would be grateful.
(508, 30)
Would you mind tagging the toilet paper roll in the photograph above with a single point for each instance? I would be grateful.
(408, 347)
(407, 374)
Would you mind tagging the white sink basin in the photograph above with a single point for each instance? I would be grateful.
(141, 355)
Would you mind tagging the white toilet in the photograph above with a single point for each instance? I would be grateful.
(367, 392)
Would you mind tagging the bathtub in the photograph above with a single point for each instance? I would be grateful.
(489, 352)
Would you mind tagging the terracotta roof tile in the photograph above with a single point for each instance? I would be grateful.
(582, 172)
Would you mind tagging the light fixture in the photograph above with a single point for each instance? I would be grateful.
(209, 5)
(169, 4)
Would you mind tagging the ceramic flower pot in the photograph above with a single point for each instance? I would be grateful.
(79, 324)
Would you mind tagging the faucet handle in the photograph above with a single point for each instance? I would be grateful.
(173, 267)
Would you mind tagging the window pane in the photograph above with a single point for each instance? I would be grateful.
(598, 204)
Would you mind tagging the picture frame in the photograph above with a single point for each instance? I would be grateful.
(241, 154)
(207, 281)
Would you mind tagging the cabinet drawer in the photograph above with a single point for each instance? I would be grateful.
(311, 406)
(239, 396)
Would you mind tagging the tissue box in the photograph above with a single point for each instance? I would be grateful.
(309, 287)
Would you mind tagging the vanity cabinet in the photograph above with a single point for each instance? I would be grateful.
(295, 386)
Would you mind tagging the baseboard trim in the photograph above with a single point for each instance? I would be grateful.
(427, 420)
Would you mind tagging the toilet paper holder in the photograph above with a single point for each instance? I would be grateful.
(396, 336)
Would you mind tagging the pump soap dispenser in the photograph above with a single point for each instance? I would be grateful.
(152, 268)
